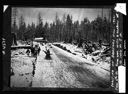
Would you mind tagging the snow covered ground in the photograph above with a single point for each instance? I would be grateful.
(64, 69)
(68, 71)
(21, 68)
(84, 62)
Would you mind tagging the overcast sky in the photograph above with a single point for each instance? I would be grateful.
(48, 14)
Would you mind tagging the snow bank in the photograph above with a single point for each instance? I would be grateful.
(21, 68)
(93, 58)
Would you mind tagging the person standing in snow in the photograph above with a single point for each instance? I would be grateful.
(32, 51)
(47, 52)
(100, 43)
(38, 51)
(28, 52)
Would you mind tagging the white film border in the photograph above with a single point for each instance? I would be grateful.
(121, 7)
(122, 79)
(5, 7)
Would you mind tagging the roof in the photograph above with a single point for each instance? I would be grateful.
(41, 38)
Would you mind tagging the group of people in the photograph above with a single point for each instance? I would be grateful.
(35, 50)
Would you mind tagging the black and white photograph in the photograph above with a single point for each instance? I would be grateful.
(60, 47)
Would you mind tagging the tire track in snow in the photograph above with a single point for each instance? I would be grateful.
(44, 75)
(62, 72)
(84, 75)
(52, 73)
(63, 77)
(49, 73)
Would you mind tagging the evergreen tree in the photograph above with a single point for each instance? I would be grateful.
(68, 28)
(22, 28)
(39, 28)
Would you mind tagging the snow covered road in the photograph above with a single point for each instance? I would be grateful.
(68, 71)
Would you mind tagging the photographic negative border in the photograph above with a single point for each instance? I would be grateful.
(6, 38)
(118, 57)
